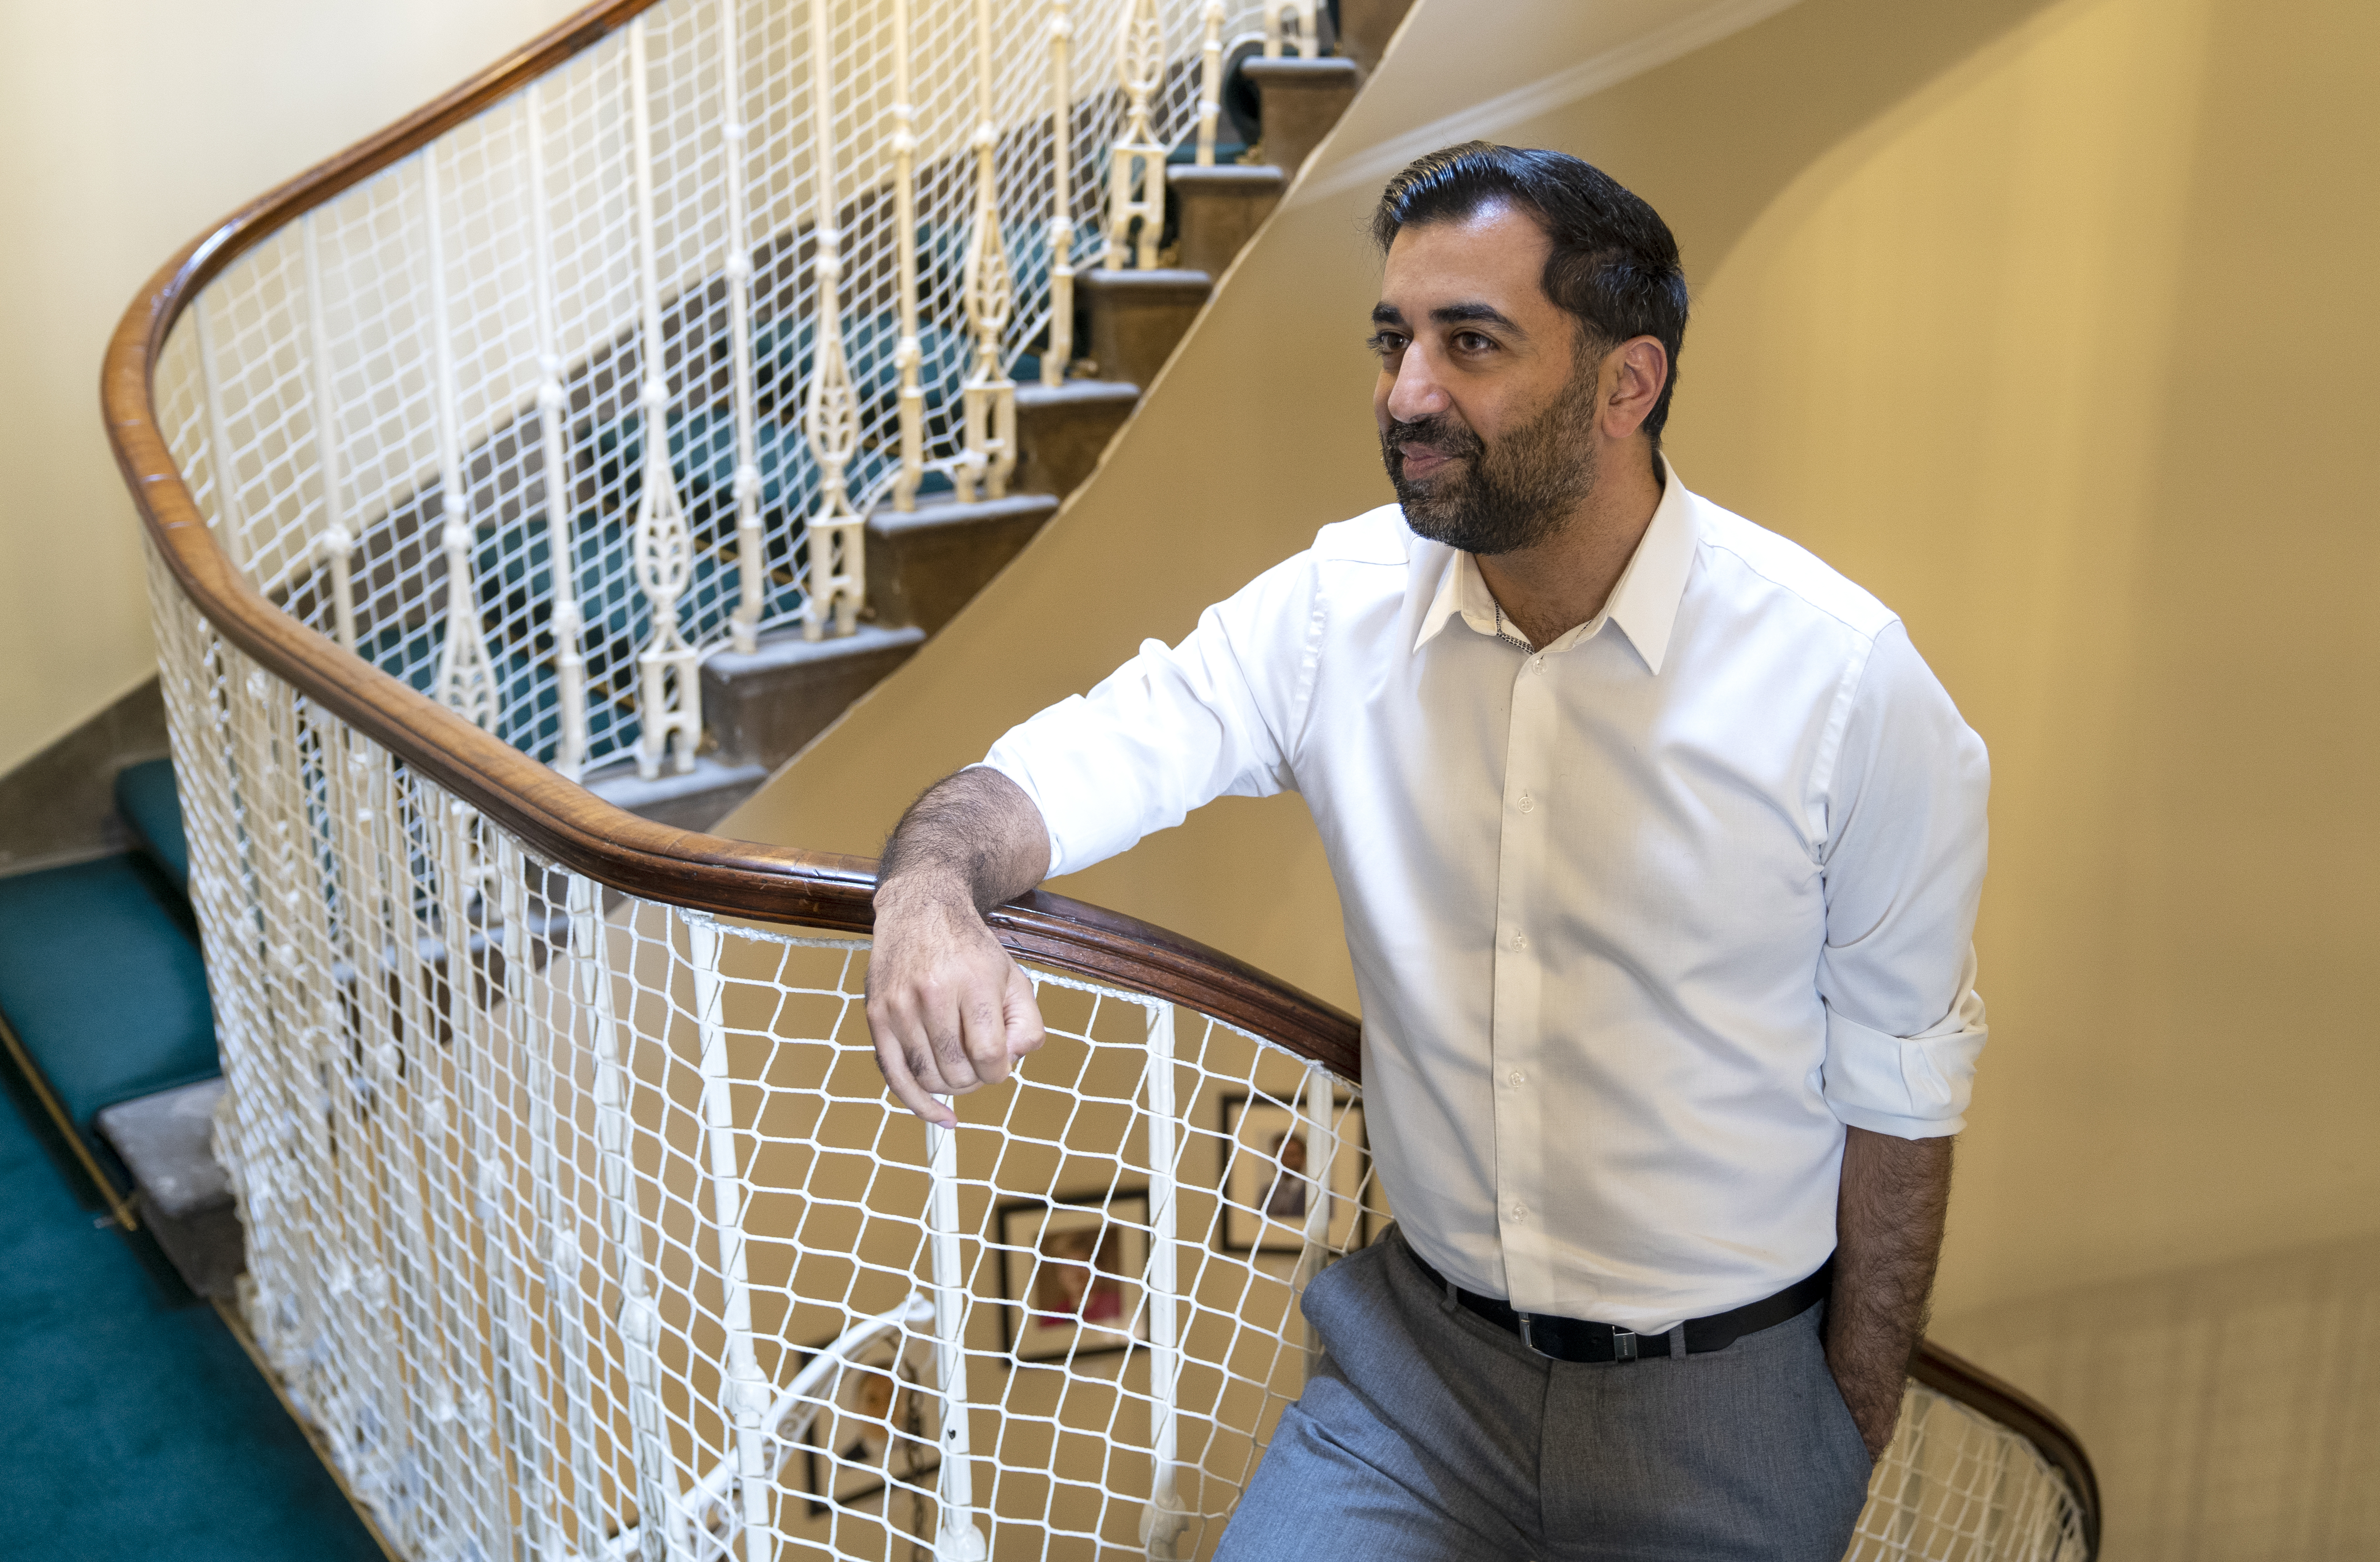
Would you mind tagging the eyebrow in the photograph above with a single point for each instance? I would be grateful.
(1450, 315)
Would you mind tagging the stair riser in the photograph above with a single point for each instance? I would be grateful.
(1136, 327)
(1301, 104)
(1216, 222)
(1059, 442)
(924, 576)
(763, 713)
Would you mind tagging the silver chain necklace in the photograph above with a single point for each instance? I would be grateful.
(1511, 640)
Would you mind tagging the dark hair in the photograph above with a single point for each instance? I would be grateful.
(1614, 263)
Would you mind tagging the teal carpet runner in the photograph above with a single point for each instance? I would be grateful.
(132, 1426)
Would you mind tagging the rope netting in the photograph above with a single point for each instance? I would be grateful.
(309, 394)
(581, 1226)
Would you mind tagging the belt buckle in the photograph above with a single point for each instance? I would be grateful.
(1623, 1344)
(1531, 1344)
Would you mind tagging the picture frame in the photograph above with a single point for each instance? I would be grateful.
(882, 1424)
(1265, 1188)
(1070, 1273)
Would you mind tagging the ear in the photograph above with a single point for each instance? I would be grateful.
(1634, 374)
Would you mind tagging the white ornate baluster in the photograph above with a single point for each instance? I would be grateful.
(1164, 1520)
(535, 1037)
(1310, 36)
(553, 466)
(335, 542)
(349, 929)
(1062, 195)
(550, 1240)
(957, 1539)
(455, 1386)
(423, 1454)
(640, 1323)
(743, 1392)
(1138, 159)
(838, 537)
(669, 705)
(515, 1393)
(751, 563)
(910, 353)
(227, 524)
(1210, 82)
(467, 678)
(1322, 1161)
(990, 454)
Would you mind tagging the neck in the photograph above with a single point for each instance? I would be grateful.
(1551, 588)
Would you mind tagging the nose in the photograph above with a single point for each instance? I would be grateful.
(1415, 394)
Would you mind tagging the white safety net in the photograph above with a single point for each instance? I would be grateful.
(403, 330)
(582, 1226)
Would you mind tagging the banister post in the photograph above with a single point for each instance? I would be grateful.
(669, 706)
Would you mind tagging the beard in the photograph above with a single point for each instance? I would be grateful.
(1513, 493)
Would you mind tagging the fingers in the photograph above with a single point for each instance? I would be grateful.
(1022, 1014)
(948, 1010)
(905, 1087)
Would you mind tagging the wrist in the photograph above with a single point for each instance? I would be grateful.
(924, 890)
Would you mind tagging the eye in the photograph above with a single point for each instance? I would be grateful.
(1472, 341)
(1388, 344)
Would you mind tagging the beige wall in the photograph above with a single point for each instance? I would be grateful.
(130, 126)
(2050, 322)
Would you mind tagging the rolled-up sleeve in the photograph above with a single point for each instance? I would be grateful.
(1904, 873)
(1174, 728)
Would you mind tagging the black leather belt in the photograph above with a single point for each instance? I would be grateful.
(1583, 1339)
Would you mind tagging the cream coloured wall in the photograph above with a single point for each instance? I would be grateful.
(129, 127)
(2049, 322)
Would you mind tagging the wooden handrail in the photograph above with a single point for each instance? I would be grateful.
(571, 827)
(1949, 1374)
(558, 819)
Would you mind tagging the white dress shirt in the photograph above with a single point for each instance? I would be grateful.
(1639, 921)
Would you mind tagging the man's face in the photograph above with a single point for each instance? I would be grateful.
(1486, 402)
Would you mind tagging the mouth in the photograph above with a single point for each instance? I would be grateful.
(1418, 463)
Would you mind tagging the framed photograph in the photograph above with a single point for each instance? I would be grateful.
(1268, 1186)
(1071, 1276)
(882, 1422)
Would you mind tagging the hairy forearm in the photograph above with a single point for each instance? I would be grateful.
(973, 834)
(1888, 1241)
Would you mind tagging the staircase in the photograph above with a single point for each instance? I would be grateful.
(104, 1011)
(761, 707)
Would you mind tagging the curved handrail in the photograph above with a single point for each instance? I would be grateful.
(1948, 1373)
(556, 817)
(580, 831)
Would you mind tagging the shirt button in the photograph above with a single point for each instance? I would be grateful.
(1519, 1211)
(1528, 803)
(1520, 941)
(1515, 1077)
(1536, 664)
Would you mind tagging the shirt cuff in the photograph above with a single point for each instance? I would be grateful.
(1910, 1087)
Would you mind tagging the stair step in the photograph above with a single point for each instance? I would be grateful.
(1366, 26)
(695, 800)
(103, 995)
(1138, 316)
(1062, 431)
(927, 564)
(145, 795)
(1303, 98)
(762, 708)
(1220, 208)
(166, 1141)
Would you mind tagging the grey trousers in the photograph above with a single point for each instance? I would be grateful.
(1426, 1434)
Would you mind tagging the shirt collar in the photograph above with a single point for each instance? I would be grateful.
(1644, 603)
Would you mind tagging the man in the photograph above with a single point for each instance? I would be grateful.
(1660, 851)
